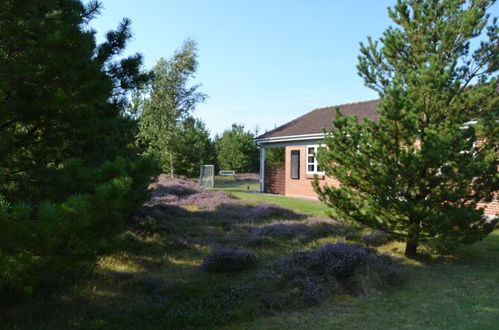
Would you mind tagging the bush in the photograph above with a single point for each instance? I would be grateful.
(376, 238)
(267, 211)
(179, 187)
(228, 261)
(304, 230)
(281, 229)
(52, 238)
(339, 260)
(186, 193)
(357, 269)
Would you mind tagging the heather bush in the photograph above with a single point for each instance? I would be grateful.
(228, 261)
(290, 284)
(280, 229)
(184, 192)
(304, 230)
(267, 211)
(311, 291)
(207, 200)
(353, 268)
(177, 187)
(188, 193)
(339, 260)
(376, 238)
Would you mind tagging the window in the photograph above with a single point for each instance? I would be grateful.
(312, 165)
(295, 164)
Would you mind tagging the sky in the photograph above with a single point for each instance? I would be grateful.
(262, 63)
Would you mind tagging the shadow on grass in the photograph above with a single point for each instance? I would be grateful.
(154, 280)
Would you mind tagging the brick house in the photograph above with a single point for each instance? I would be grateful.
(301, 137)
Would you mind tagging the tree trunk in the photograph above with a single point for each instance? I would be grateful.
(171, 165)
(411, 247)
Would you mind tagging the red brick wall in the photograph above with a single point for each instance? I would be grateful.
(491, 208)
(303, 185)
(274, 179)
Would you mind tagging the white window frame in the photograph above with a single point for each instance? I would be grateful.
(315, 163)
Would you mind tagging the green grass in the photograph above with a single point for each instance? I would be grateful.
(455, 293)
(248, 191)
(154, 283)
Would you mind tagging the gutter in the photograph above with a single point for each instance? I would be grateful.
(301, 137)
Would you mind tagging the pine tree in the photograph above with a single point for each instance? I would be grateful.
(68, 174)
(61, 95)
(420, 170)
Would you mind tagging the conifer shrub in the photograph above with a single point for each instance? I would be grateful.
(41, 244)
(69, 170)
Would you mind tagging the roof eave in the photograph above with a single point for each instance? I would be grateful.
(288, 138)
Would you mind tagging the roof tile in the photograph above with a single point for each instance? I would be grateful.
(315, 120)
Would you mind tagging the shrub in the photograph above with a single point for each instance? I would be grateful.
(339, 259)
(357, 269)
(228, 261)
(177, 187)
(281, 229)
(186, 193)
(376, 238)
(267, 210)
(304, 230)
(52, 238)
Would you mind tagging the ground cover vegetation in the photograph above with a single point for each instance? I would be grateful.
(157, 278)
(457, 291)
(192, 257)
(420, 171)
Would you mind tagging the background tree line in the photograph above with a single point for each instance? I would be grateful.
(168, 131)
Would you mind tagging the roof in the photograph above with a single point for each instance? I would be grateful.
(316, 120)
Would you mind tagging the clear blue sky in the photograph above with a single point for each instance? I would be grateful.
(261, 62)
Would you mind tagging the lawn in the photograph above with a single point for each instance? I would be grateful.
(461, 292)
(249, 191)
(154, 281)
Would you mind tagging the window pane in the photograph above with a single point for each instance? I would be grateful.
(311, 151)
(310, 168)
(295, 164)
(311, 159)
(319, 169)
